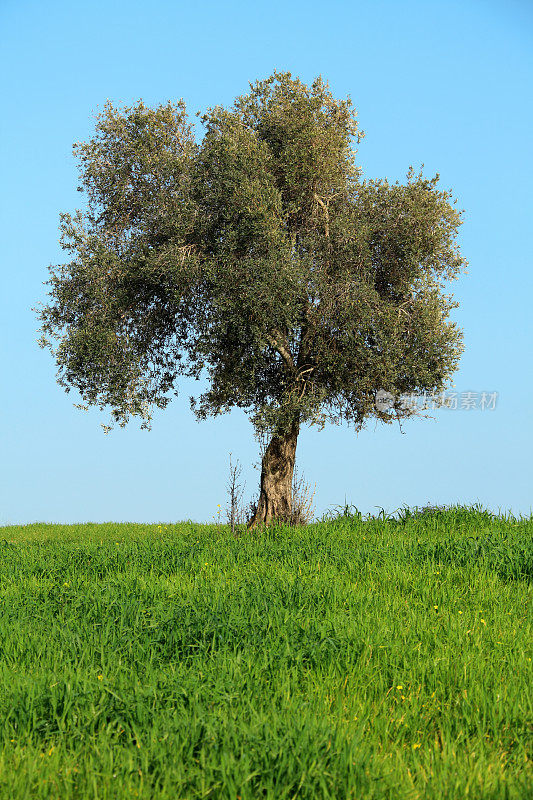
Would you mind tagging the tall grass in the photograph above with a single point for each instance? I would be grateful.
(378, 658)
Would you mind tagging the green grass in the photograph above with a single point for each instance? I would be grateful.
(353, 658)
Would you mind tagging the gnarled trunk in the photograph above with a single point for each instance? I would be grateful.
(275, 498)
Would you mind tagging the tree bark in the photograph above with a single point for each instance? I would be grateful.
(277, 470)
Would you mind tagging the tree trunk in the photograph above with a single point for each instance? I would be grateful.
(275, 497)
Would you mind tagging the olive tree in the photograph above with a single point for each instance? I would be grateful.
(258, 258)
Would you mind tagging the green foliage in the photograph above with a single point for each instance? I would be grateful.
(258, 257)
(378, 658)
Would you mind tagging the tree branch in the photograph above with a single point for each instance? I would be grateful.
(326, 211)
(284, 352)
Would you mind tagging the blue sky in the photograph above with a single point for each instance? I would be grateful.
(447, 84)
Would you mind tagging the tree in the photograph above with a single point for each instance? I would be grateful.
(259, 258)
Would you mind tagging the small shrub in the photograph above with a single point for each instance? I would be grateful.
(303, 507)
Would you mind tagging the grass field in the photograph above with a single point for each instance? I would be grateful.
(353, 658)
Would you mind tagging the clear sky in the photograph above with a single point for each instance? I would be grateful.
(444, 83)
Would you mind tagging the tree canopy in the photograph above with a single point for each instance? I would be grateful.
(258, 257)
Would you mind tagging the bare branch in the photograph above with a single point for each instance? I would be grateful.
(274, 341)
